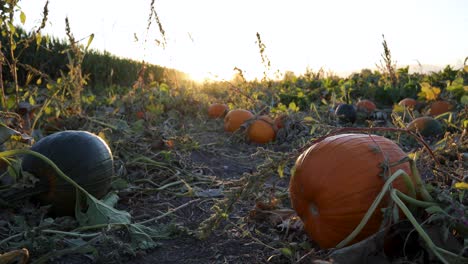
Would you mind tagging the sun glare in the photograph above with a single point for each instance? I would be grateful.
(206, 76)
(209, 45)
(199, 77)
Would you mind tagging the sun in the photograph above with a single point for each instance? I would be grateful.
(199, 77)
(208, 76)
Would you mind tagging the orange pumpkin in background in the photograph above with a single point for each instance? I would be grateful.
(235, 118)
(408, 103)
(336, 181)
(440, 107)
(366, 106)
(217, 110)
(262, 130)
(140, 115)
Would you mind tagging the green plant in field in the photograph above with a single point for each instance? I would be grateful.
(305, 90)
(63, 97)
(458, 88)
(428, 92)
(14, 40)
(396, 83)
(74, 79)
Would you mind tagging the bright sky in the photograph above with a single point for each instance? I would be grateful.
(208, 38)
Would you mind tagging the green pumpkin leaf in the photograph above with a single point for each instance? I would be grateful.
(435, 209)
(38, 39)
(429, 92)
(293, 107)
(286, 251)
(91, 37)
(23, 17)
(98, 212)
(11, 102)
(464, 99)
(142, 236)
(110, 199)
(12, 28)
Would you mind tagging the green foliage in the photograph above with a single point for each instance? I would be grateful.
(16, 43)
(459, 89)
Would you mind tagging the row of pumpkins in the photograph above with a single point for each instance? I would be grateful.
(427, 125)
(259, 129)
(262, 129)
(435, 108)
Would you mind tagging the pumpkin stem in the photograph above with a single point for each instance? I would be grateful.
(416, 202)
(420, 188)
(406, 179)
(372, 208)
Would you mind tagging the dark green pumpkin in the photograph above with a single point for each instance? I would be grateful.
(82, 156)
(426, 126)
(346, 113)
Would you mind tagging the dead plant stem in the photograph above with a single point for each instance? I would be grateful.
(171, 211)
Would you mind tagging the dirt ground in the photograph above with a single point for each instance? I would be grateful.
(191, 169)
(208, 161)
(228, 243)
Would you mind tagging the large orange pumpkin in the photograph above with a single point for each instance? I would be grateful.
(261, 130)
(408, 103)
(235, 118)
(336, 181)
(217, 110)
(366, 106)
(440, 107)
(427, 126)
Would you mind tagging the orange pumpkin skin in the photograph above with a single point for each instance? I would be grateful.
(140, 115)
(235, 118)
(262, 130)
(366, 106)
(440, 107)
(336, 181)
(217, 110)
(408, 103)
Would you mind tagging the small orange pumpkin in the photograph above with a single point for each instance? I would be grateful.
(262, 130)
(140, 115)
(408, 103)
(217, 110)
(366, 106)
(235, 118)
(440, 107)
(335, 182)
(426, 126)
